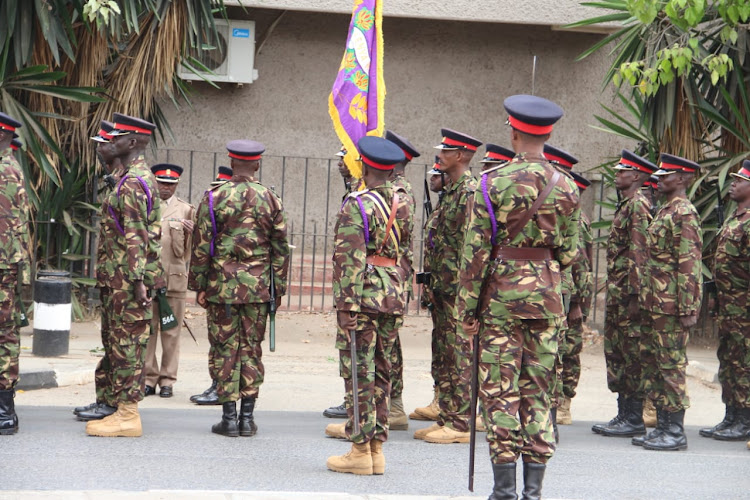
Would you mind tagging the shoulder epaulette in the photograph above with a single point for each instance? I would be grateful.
(357, 194)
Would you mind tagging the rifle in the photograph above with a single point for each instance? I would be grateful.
(184, 323)
(427, 203)
(272, 313)
(355, 381)
(719, 205)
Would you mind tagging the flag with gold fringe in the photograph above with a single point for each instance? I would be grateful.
(358, 94)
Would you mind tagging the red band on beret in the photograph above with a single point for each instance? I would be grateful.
(104, 135)
(131, 128)
(461, 144)
(679, 168)
(635, 165)
(562, 161)
(745, 172)
(580, 184)
(491, 155)
(408, 156)
(246, 158)
(7, 127)
(379, 166)
(14, 147)
(224, 177)
(529, 128)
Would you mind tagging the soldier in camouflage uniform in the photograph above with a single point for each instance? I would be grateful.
(580, 305)
(368, 286)
(436, 184)
(510, 298)
(105, 403)
(14, 266)
(670, 299)
(128, 270)
(240, 238)
(626, 258)
(563, 161)
(210, 396)
(456, 152)
(732, 278)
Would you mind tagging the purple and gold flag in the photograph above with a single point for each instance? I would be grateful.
(358, 94)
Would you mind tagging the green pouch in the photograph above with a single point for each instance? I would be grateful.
(166, 316)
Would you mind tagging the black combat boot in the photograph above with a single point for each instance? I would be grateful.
(209, 397)
(672, 437)
(97, 412)
(228, 425)
(740, 428)
(505, 482)
(631, 423)
(336, 411)
(729, 415)
(91, 406)
(533, 475)
(247, 422)
(621, 402)
(8, 417)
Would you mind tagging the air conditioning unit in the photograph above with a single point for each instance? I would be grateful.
(233, 59)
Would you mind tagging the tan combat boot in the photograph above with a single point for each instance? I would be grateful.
(378, 459)
(563, 412)
(649, 413)
(421, 433)
(446, 435)
(429, 412)
(397, 420)
(337, 431)
(358, 460)
(125, 422)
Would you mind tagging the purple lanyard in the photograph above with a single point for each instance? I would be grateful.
(148, 199)
(364, 219)
(213, 221)
(490, 209)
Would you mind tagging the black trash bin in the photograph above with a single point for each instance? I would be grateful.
(52, 313)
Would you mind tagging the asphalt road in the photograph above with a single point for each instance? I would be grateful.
(178, 452)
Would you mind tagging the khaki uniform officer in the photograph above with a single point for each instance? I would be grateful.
(176, 231)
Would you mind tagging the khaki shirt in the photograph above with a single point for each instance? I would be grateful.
(176, 243)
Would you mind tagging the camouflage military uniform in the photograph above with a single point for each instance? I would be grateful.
(128, 251)
(406, 198)
(581, 292)
(375, 294)
(14, 249)
(672, 282)
(521, 306)
(732, 276)
(240, 237)
(428, 298)
(626, 257)
(454, 375)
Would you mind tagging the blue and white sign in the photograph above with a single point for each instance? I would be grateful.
(240, 33)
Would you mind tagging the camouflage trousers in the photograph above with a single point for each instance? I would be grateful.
(570, 351)
(397, 362)
(438, 349)
(10, 338)
(622, 348)
(516, 365)
(127, 327)
(235, 333)
(454, 376)
(664, 361)
(734, 360)
(375, 338)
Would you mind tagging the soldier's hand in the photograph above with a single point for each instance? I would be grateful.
(575, 311)
(141, 295)
(200, 298)
(347, 321)
(188, 225)
(470, 326)
(688, 321)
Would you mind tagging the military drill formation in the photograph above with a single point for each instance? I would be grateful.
(507, 278)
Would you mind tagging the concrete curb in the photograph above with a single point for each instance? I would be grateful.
(698, 370)
(47, 379)
(211, 495)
